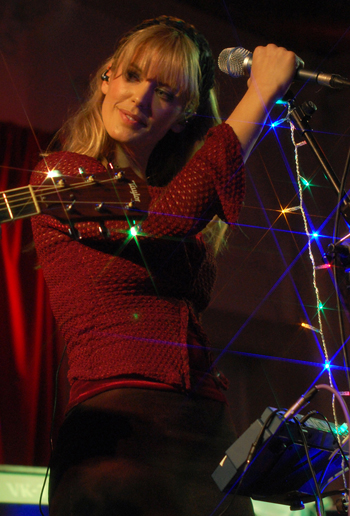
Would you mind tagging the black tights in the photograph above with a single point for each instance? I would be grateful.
(136, 452)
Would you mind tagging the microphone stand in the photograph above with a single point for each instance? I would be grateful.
(300, 116)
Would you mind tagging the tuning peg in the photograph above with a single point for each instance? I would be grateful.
(100, 207)
(119, 175)
(61, 183)
(70, 207)
(104, 230)
(74, 232)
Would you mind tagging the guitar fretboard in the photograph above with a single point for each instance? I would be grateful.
(18, 203)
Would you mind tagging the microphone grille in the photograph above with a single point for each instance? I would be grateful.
(231, 61)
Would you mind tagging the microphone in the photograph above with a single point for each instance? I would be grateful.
(237, 62)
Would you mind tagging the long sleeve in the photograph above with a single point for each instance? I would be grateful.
(212, 183)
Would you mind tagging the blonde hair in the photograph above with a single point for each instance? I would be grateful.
(170, 47)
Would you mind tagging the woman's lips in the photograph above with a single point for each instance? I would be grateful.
(132, 119)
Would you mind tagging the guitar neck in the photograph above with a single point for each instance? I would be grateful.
(18, 203)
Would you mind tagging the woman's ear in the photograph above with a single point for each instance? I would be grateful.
(105, 77)
(180, 125)
(104, 87)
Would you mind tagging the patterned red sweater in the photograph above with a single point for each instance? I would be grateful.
(126, 310)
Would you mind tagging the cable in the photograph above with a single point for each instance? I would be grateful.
(51, 428)
(305, 418)
(344, 408)
(318, 497)
(335, 437)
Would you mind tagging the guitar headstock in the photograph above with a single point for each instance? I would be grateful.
(107, 196)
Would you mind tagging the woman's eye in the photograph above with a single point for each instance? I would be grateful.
(166, 95)
(131, 75)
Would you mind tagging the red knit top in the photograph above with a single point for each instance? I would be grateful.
(126, 309)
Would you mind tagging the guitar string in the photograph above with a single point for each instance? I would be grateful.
(25, 199)
(18, 198)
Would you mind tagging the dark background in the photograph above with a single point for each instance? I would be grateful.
(265, 286)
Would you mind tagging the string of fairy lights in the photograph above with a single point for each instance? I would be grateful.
(301, 181)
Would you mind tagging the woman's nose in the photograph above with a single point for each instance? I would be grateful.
(143, 93)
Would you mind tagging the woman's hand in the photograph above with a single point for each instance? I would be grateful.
(272, 72)
(273, 69)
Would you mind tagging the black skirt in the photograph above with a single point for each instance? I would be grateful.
(139, 452)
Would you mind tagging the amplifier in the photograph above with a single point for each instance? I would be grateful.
(279, 471)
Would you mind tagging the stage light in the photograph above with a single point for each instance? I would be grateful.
(305, 181)
(278, 122)
(343, 429)
(54, 173)
(135, 229)
(309, 327)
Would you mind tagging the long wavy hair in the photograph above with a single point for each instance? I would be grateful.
(184, 61)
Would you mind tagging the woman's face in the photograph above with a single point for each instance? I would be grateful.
(137, 110)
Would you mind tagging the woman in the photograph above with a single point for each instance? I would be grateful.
(147, 421)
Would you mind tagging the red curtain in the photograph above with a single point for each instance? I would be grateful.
(30, 347)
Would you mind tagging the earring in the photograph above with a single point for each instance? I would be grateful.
(189, 116)
(104, 76)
